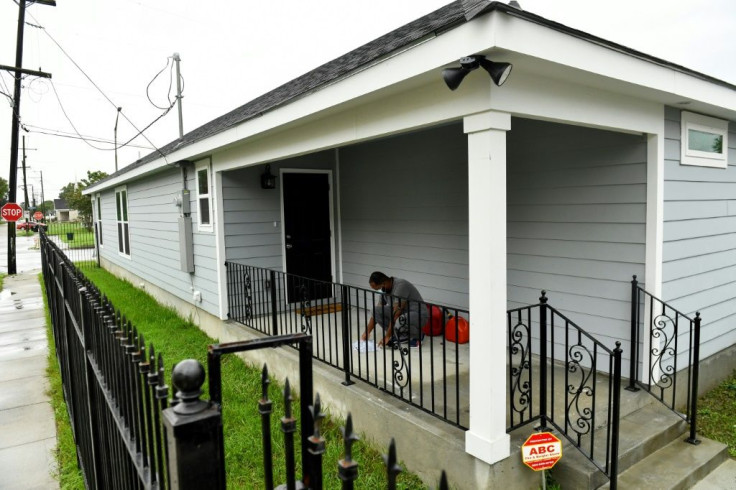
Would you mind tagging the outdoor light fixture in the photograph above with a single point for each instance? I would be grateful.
(499, 72)
(268, 181)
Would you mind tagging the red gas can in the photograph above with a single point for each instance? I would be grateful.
(435, 323)
(457, 329)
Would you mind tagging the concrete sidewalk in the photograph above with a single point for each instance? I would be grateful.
(27, 429)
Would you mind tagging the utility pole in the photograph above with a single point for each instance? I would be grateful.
(177, 59)
(116, 137)
(43, 198)
(25, 184)
(18, 69)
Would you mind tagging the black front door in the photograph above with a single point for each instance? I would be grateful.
(307, 235)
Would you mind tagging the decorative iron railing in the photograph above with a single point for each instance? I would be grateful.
(432, 377)
(113, 383)
(548, 351)
(667, 349)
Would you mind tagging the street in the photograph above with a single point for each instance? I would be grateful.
(27, 251)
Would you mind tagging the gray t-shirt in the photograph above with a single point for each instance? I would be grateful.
(405, 290)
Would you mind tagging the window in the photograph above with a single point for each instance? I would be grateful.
(98, 216)
(704, 141)
(121, 202)
(204, 196)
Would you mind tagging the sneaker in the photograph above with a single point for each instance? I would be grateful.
(415, 343)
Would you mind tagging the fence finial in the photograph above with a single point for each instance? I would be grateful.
(188, 378)
(347, 469)
(392, 466)
(264, 382)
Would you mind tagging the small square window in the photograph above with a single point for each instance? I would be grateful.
(204, 196)
(704, 141)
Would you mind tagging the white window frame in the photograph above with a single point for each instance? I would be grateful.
(199, 166)
(98, 216)
(122, 220)
(698, 122)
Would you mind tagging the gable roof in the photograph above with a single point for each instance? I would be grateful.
(435, 23)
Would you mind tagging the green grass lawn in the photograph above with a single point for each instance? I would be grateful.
(67, 471)
(179, 339)
(717, 414)
(80, 237)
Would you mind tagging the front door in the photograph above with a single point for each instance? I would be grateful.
(307, 234)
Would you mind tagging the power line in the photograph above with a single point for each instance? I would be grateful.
(168, 94)
(32, 128)
(140, 132)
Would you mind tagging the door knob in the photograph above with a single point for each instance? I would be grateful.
(288, 246)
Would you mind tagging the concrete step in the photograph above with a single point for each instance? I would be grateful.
(721, 478)
(676, 466)
(642, 432)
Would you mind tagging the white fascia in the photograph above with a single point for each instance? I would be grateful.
(521, 36)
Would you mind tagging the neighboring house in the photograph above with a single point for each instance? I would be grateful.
(592, 163)
(62, 211)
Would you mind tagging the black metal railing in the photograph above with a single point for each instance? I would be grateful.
(549, 353)
(432, 377)
(76, 239)
(113, 382)
(311, 416)
(666, 347)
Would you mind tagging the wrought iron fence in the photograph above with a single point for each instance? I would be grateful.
(76, 239)
(548, 351)
(310, 418)
(667, 347)
(127, 435)
(432, 376)
(113, 382)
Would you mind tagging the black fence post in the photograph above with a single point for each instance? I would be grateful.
(345, 300)
(265, 408)
(615, 416)
(305, 393)
(633, 355)
(316, 446)
(274, 305)
(194, 433)
(543, 360)
(86, 326)
(694, 387)
(347, 469)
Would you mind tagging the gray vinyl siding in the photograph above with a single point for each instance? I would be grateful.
(699, 249)
(154, 238)
(576, 222)
(253, 229)
(404, 209)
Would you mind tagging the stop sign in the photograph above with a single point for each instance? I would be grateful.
(38, 215)
(541, 451)
(11, 212)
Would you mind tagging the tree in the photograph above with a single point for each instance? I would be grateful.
(67, 191)
(72, 194)
(3, 191)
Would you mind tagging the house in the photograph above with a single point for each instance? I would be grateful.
(592, 163)
(62, 211)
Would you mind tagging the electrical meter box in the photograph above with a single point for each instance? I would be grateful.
(186, 247)
(184, 202)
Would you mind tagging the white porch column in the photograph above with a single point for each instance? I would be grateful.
(487, 439)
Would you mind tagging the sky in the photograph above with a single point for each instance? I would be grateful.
(103, 54)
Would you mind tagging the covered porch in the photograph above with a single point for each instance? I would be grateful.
(565, 212)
